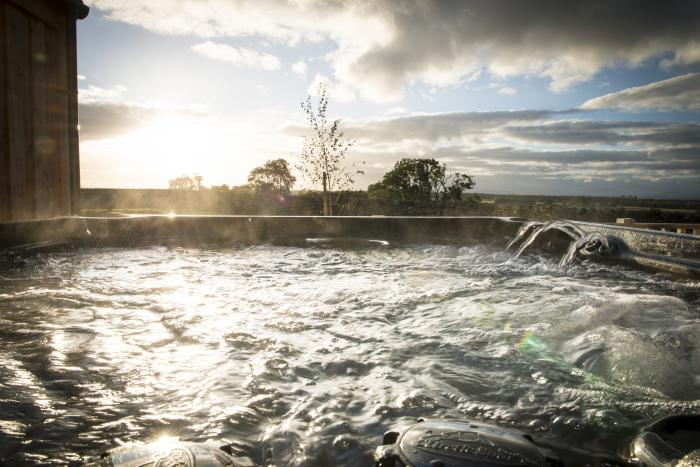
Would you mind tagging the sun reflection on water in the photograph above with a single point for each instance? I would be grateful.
(166, 443)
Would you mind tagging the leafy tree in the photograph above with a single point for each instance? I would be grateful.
(273, 176)
(324, 151)
(186, 182)
(421, 186)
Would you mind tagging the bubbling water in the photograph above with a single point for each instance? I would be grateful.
(583, 244)
(305, 355)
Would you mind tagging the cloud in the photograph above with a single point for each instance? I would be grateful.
(299, 68)
(105, 112)
(508, 91)
(443, 43)
(432, 127)
(95, 94)
(689, 54)
(574, 165)
(263, 89)
(587, 132)
(440, 126)
(238, 56)
(338, 91)
(572, 157)
(439, 42)
(678, 93)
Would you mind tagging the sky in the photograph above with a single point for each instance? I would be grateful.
(550, 97)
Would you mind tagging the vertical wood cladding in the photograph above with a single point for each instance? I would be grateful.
(39, 170)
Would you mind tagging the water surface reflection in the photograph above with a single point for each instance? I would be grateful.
(306, 355)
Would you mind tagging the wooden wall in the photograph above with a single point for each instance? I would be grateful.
(39, 166)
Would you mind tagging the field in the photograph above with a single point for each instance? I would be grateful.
(111, 202)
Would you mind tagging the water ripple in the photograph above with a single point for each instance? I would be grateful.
(305, 355)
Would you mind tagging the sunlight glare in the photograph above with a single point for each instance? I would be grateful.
(166, 442)
(222, 151)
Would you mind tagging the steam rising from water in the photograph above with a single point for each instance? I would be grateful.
(305, 356)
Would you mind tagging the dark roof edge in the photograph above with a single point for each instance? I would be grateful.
(81, 9)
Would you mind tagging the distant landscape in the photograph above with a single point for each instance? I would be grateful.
(115, 202)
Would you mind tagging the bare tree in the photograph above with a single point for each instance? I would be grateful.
(324, 151)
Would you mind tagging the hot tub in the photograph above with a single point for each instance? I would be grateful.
(302, 345)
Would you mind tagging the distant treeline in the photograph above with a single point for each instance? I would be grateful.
(106, 201)
(101, 201)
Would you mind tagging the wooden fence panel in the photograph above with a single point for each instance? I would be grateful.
(18, 112)
(39, 172)
(5, 211)
(43, 145)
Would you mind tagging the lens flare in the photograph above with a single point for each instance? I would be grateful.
(531, 344)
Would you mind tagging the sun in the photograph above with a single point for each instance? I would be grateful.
(222, 151)
(176, 142)
(168, 147)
